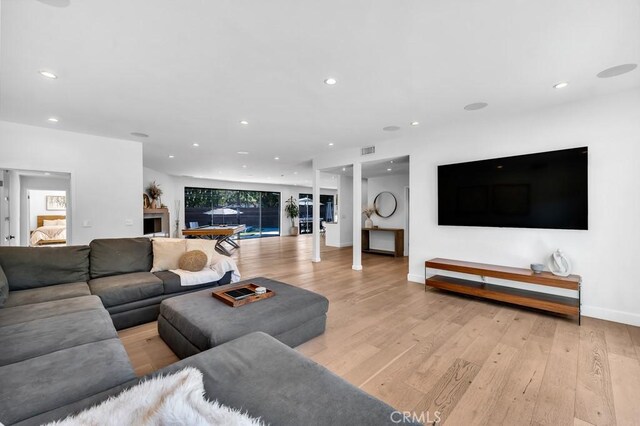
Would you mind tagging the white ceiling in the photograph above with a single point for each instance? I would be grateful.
(188, 71)
(386, 167)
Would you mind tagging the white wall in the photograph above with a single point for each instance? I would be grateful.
(106, 175)
(606, 255)
(173, 189)
(395, 184)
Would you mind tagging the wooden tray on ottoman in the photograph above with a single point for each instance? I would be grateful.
(220, 295)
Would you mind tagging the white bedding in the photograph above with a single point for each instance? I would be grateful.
(44, 233)
(220, 265)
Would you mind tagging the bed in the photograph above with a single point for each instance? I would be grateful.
(52, 229)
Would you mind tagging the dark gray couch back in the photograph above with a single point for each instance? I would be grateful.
(114, 256)
(32, 267)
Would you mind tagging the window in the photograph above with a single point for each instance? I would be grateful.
(259, 211)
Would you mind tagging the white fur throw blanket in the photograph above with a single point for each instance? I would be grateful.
(219, 266)
(176, 399)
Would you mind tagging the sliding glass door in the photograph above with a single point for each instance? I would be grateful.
(259, 211)
(327, 211)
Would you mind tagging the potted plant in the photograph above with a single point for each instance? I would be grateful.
(155, 193)
(292, 211)
(368, 212)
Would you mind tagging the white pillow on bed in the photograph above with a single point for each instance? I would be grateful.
(61, 222)
(206, 246)
(167, 253)
(46, 222)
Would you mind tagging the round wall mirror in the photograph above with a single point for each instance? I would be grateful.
(385, 204)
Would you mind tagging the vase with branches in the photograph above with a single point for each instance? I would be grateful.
(368, 211)
(155, 192)
(292, 211)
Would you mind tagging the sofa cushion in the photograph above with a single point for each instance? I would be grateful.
(4, 288)
(167, 253)
(42, 336)
(120, 289)
(114, 256)
(287, 388)
(46, 294)
(32, 267)
(34, 311)
(40, 384)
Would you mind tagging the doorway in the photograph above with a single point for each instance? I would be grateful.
(34, 208)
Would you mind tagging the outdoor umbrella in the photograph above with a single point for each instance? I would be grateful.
(222, 211)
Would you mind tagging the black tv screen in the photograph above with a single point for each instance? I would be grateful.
(543, 190)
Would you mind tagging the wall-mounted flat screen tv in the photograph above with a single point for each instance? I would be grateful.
(544, 190)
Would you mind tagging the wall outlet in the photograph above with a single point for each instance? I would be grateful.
(86, 224)
(128, 222)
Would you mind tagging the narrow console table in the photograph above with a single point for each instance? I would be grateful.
(532, 299)
(398, 241)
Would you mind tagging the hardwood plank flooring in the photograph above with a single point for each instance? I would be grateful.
(473, 361)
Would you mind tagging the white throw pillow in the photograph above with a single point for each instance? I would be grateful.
(61, 222)
(206, 246)
(167, 253)
(46, 222)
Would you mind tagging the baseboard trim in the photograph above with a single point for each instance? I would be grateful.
(356, 267)
(415, 278)
(341, 245)
(611, 315)
(315, 260)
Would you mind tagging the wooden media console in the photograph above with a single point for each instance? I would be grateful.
(529, 298)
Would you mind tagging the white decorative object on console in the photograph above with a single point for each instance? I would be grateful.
(559, 264)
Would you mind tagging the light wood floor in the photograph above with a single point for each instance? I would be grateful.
(474, 362)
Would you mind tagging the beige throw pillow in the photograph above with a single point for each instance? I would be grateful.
(206, 246)
(167, 253)
(193, 261)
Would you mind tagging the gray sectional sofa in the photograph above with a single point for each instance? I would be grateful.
(61, 353)
(116, 270)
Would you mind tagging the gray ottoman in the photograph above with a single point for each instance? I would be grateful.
(196, 322)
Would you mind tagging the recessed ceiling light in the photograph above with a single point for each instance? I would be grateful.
(295, 173)
(48, 74)
(172, 156)
(344, 169)
(243, 152)
(196, 145)
(244, 166)
(391, 128)
(276, 158)
(47, 174)
(245, 122)
(415, 123)
(499, 167)
(330, 81)
(476, 106)
(52, 119)
(330, 143)
(391, 161)
(389, 170)
(560, 85)
(139, 135)
(617, 70)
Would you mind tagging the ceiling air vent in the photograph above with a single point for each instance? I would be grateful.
(368, 150)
